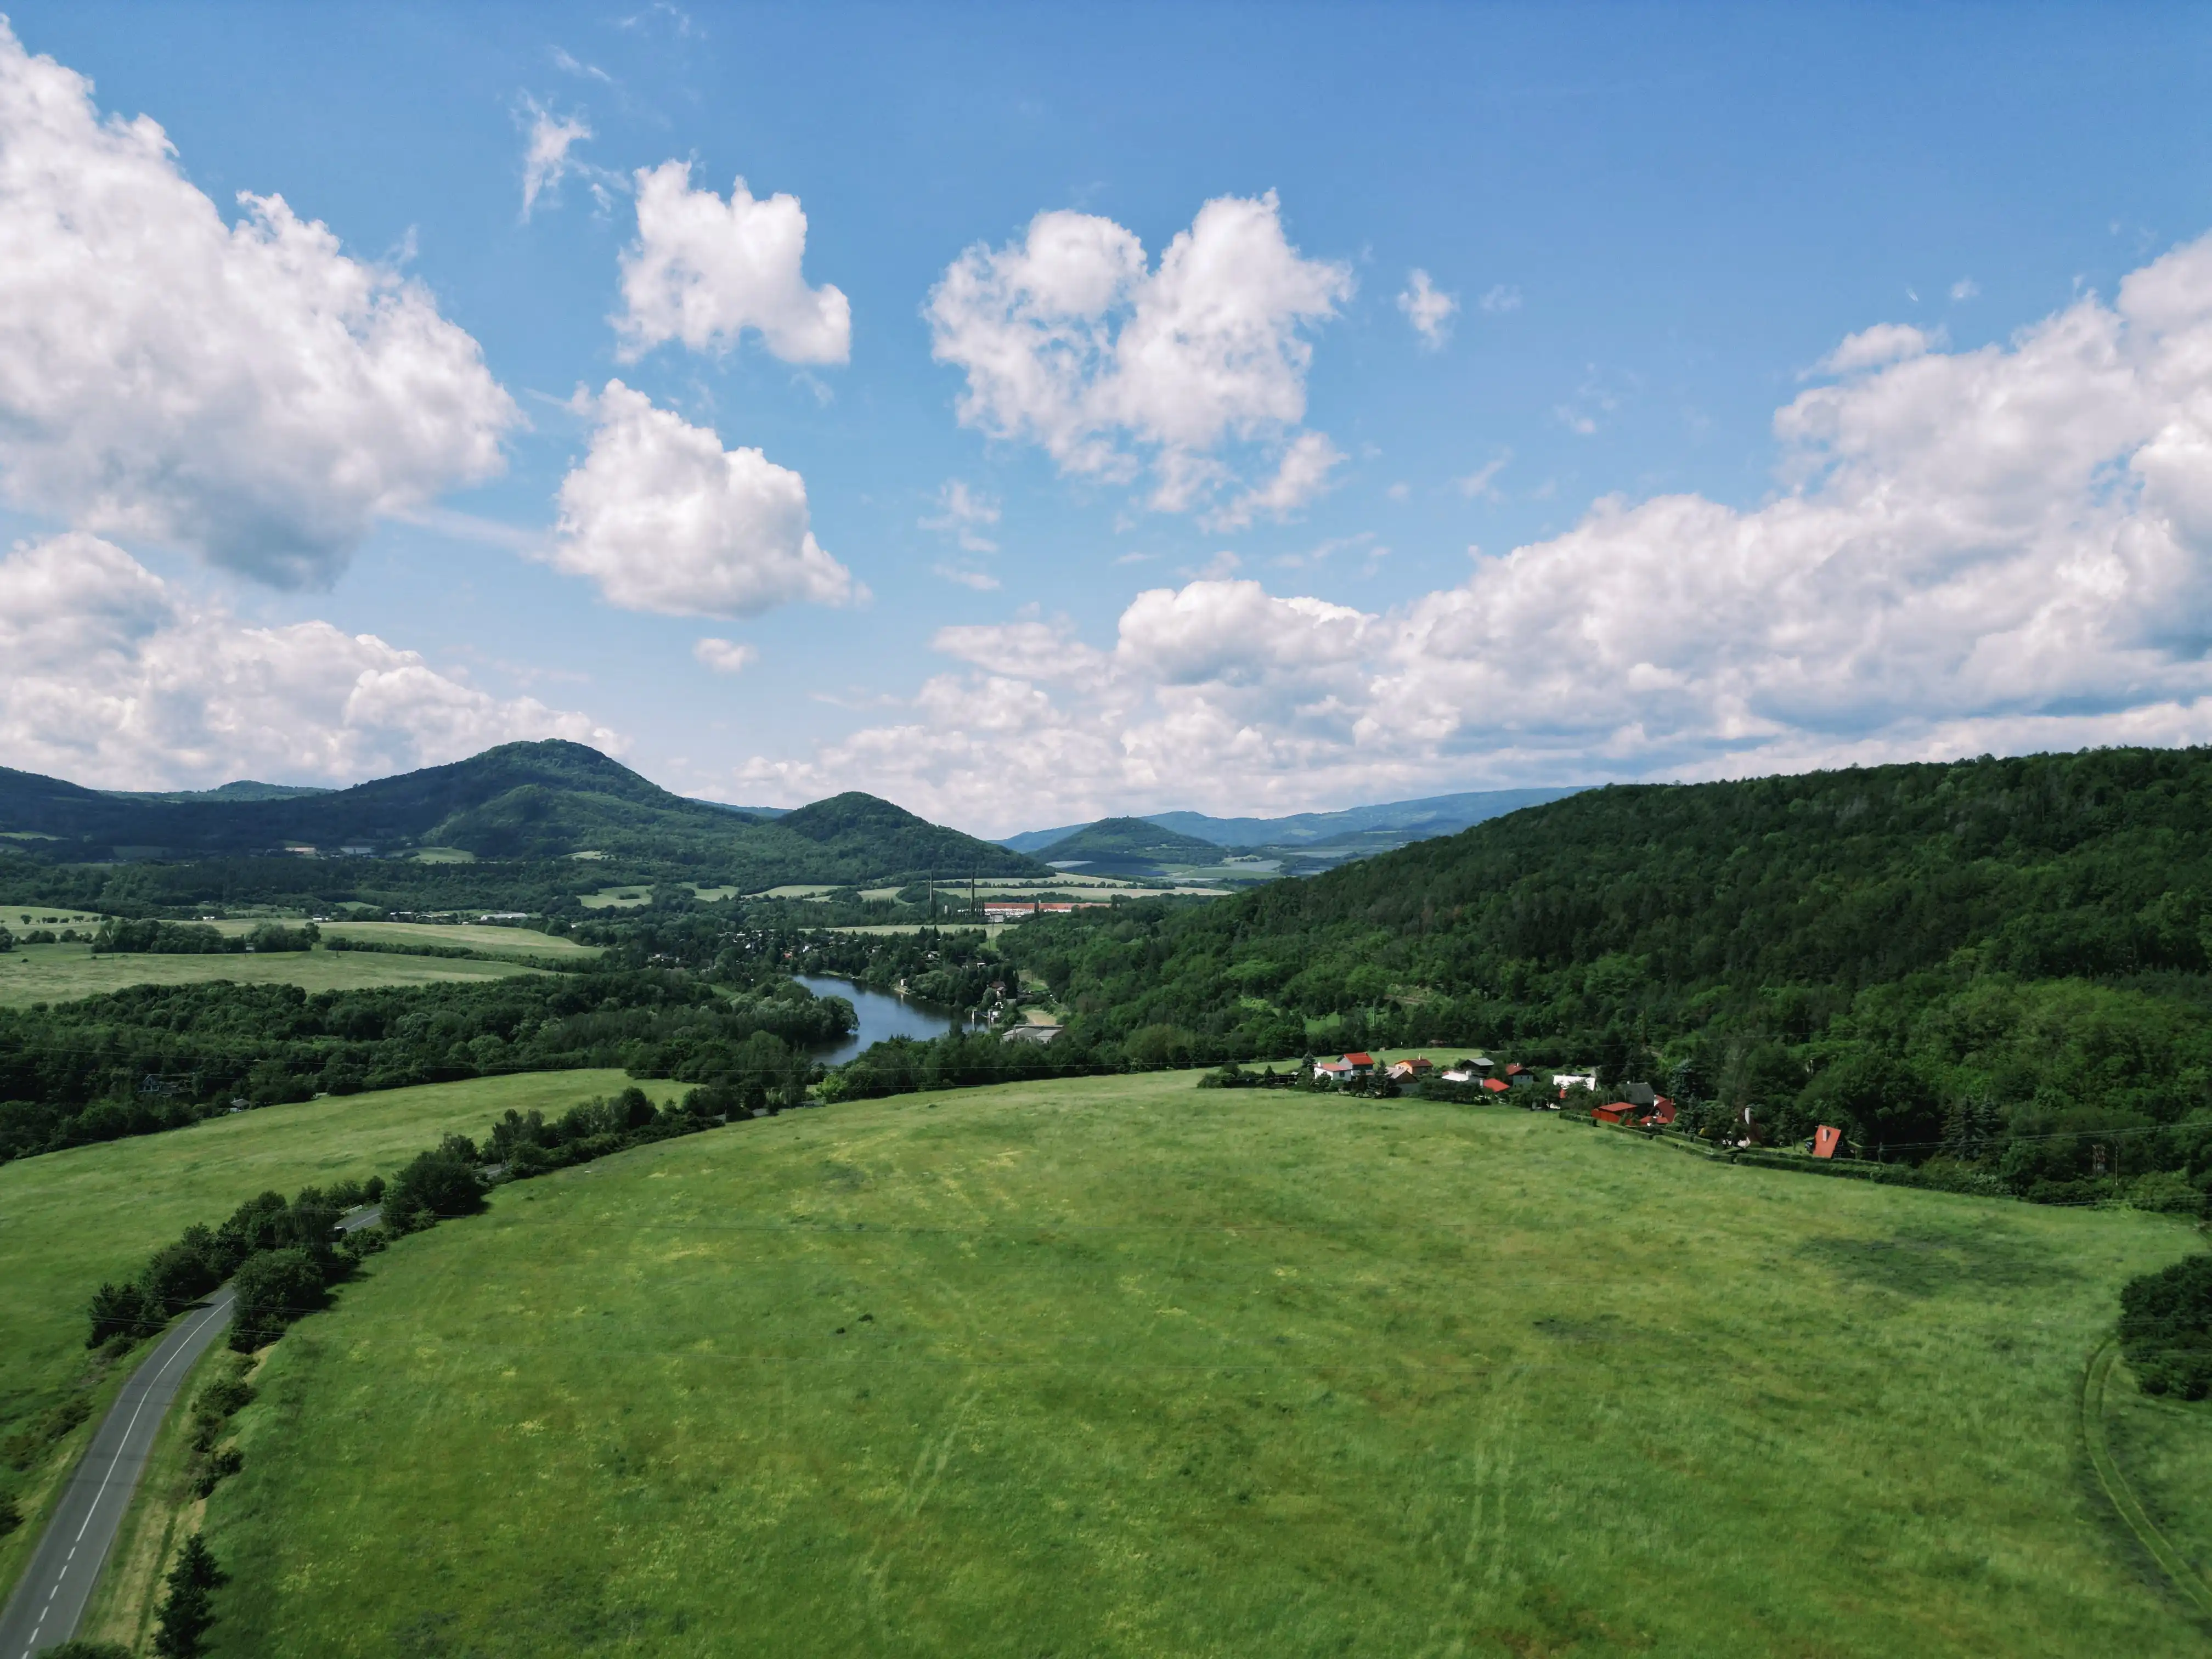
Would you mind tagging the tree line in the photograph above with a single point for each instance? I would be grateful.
(159, 1057)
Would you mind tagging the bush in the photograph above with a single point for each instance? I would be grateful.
(79, 1649)
(2165, 1328)
(435, 1185)
(274, 1288)
(178, 1275)
(186, 1614)
(2166, 1190)
(120, 1310)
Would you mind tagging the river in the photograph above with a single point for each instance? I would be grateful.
(881, 1015)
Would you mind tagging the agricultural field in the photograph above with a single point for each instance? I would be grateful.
(474, 936)
(69, 1220)
(17, 917)
(1118, 1367)
(60, 973)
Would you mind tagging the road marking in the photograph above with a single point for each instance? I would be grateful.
(178, 1340)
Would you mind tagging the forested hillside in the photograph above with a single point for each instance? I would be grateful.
(1945, 955)
(521, 801)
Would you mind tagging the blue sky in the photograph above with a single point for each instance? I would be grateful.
(1631, 509)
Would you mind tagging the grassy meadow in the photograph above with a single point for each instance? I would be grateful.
(62, 973)
(69, 1220)
(1118, 1366)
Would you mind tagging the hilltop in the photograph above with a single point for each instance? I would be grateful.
(1128, 846)
(520, 802)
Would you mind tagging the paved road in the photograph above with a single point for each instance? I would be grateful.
(45, 1609)
(50, 1599)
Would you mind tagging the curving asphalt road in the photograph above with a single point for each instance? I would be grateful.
(51, 1596)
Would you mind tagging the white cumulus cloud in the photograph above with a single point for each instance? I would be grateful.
(1070, 339)
(665, 519)
(2004, 548)
(1428, 309)
(725, 656)
(245, 391)
(116, 680)
(703, 270)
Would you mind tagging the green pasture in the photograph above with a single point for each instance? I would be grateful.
(17, 918)
(475, 936)
(69, 1220)
(443, 855)
(60, 973)
(1120, 1366)
(616, 898)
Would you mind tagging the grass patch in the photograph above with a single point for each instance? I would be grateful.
(1114, 1365)
(442, 856)
(616, 898)
(60, 973)
(2164, 1446)
(69, 1220)
(476, 936)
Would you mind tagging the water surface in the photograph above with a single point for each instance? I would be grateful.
(881, 1015)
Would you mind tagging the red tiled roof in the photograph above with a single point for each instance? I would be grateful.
(1359, 1060)
(1496, 1085)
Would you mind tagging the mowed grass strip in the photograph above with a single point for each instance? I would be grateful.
(1118, 1366)
(69, 1220)
(63, 973)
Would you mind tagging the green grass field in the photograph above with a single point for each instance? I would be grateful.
(1117, 1366)
(46, 916)
(476, 936)
(60, 973)
(69, 1220)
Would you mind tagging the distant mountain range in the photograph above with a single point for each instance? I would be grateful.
(521, 801)
(1301, 840)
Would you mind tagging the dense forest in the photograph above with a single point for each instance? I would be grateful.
(2002, 961)
(156, 1057)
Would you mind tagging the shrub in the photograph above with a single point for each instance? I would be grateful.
(439, 1183)
(80, 1648)
(120, 1310)
(178, 1275)
(186, 1614)
(2165, 1328)
(274, 1288)
(2165, 1190)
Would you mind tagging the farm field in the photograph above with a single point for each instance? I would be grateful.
(475, 936)
(69, 1220)
(1118, 1366)
(19, 917)
(60, 973)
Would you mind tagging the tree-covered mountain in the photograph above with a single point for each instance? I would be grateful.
(1354, 831)
(237, 789)
(521, 802)
(1930, 953)
(1128, 846)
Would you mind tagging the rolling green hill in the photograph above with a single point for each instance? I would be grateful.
(1116, 1367)
(521, 802)
(1125, 847)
